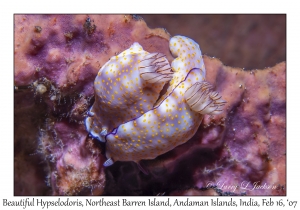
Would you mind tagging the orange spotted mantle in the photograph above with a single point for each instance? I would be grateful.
(127, 113)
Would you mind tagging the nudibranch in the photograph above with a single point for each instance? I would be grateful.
(160, 125)
(126, 87)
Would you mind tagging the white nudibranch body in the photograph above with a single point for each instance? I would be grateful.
(124, 89)
(127, 112)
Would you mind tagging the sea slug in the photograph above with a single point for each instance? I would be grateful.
(128, 114)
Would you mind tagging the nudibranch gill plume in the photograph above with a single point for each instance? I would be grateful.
(129, 115)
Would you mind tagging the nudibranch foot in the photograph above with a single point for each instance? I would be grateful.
(108, 162)
(203, 100)
(100, 136)
(90, 114)
(155, 68)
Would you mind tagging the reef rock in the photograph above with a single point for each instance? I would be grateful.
(57, 57)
